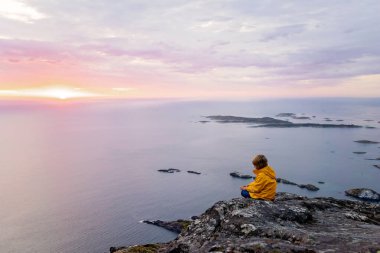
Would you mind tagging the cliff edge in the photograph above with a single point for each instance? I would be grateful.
(291, 223)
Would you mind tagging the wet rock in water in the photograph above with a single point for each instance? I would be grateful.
(363, 194)
(174, 226)
(370, 127)
(300, 117)
(239, 175)
(377, 166)
(291, 223)
(170, 170)
(286, 114)
(367, 142)
(328, 120)
(193, 172)
(309, 187)
(368, 120)
(284, 181)
(359, 152)
(321, 182)
(340, 120)
(204, 121)
(373, 159)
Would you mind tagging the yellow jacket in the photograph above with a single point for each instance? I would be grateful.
(264, 186)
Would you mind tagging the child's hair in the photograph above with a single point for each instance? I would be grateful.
(260, 161)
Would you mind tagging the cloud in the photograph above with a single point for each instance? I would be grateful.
(19, 11)
(198, 43)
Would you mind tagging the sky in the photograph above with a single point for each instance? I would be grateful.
(189, 49)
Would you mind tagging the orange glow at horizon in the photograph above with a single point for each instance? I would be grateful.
(55, 92)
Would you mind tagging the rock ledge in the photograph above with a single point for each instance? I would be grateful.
(291, 223)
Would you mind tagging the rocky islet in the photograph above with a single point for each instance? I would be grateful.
(274, 123)
(237, 174)
(170, 170)
(363, 194)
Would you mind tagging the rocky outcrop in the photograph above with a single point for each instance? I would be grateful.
(147, 248)
(271, 122)
(374, 159)
(366, 142)
(359, 152)
(240, 175)
(284, 181)
(313, 125)
(174, 226)
(292, 115)
(170, 170)
(309, 187)
(364, 194)
(235, 119)
(286, 114)
(193, 172)
(291, 223)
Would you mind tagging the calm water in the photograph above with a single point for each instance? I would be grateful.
(80, 177)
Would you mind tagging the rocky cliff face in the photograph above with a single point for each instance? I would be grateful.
(289, 224)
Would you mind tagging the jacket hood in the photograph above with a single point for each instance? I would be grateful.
(267, 171)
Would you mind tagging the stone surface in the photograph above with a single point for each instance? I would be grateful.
(240, 175)
(291, 223)
(363, 193)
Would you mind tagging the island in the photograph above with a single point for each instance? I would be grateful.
(272, 122)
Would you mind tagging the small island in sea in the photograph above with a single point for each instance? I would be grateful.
(272, 122)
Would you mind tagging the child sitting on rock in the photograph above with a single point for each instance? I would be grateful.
(264, 186)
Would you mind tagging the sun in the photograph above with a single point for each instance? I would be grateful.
(55, 92)
(64, 93)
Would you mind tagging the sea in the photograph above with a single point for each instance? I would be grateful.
(81, 176)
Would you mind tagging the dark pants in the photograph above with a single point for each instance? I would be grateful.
(245, 194)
